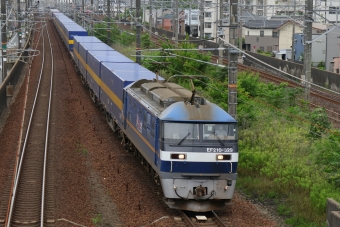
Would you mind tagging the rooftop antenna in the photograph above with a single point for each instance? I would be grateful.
(193, 92)
(156, 72)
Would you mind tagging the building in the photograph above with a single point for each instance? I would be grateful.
(262, 35)
(293, 8)
(318, 48)
(192, 20)
(332, 47)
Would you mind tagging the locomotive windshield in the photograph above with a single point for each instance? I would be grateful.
(183, 133)
(180, 131)
(219, 132)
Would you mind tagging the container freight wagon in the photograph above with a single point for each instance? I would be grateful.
(80, 54)
(94, 60)
(90, 41)
(116, 76)
(67, 29)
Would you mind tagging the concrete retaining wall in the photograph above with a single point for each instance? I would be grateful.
(333, 213)
(13, 76)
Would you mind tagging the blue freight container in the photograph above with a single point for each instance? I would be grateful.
(73, 30)
(115, 77)
(82, 39)
(67, 29)
(93, 71)
(115, 56)
(84, 48)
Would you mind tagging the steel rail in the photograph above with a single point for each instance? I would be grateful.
(47, 133)
(28, 132)
(187, 219)
(218, 220)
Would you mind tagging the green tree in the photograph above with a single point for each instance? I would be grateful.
(329, 156)
(146, 42)
(319, 123)
(100, 31)
(321, 65)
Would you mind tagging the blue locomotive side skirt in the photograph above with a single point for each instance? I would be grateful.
(140, 136)
(145, 148)
(198, 167)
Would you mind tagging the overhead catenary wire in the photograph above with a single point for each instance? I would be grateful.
(257, 100)
(287, 74)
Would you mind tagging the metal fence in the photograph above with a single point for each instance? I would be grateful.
(13, 76)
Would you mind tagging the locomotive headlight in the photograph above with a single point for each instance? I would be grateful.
(223, 157)
(178, 156)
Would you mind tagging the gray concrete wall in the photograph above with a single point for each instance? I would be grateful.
(12, 77)
(332, 47)
(267, 42)
(320, 77)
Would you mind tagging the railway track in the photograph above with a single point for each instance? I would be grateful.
(319, 98)
(207, 219)
(31, 202)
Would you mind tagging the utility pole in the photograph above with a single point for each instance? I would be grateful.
(190, 18)
(176, 24)
(240, 37)
(220, 52)
(92, 13)
(138, 58)
(19, 24)
(293, 41)
(232, 58)
(218, 6)
(307, 67)
(131, 14)
(156, 22)
(163, 17)
(202, 20)
(108, 22)
(3, 39)
(150, 16)
(118, 10)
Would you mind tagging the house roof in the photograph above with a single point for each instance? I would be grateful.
(246, 16)
(269, 24)
(168, 16)
(286, 23)
(319, 26)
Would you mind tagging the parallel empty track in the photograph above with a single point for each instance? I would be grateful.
(28, 202)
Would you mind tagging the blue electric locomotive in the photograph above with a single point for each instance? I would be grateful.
(187, 143)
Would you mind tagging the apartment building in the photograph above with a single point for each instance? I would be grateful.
(269, 8)
(212, 17)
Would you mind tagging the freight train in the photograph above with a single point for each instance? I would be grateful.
(188, 144)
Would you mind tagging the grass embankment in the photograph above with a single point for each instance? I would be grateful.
(288, 154)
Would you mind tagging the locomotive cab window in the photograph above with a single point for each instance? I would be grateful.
(180, 133)
(219, 131)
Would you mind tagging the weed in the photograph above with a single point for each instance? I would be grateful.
(80, 148)
(97, 220)
(283, 210)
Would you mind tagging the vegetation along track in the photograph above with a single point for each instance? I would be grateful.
(31, 203)
(319, 97)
